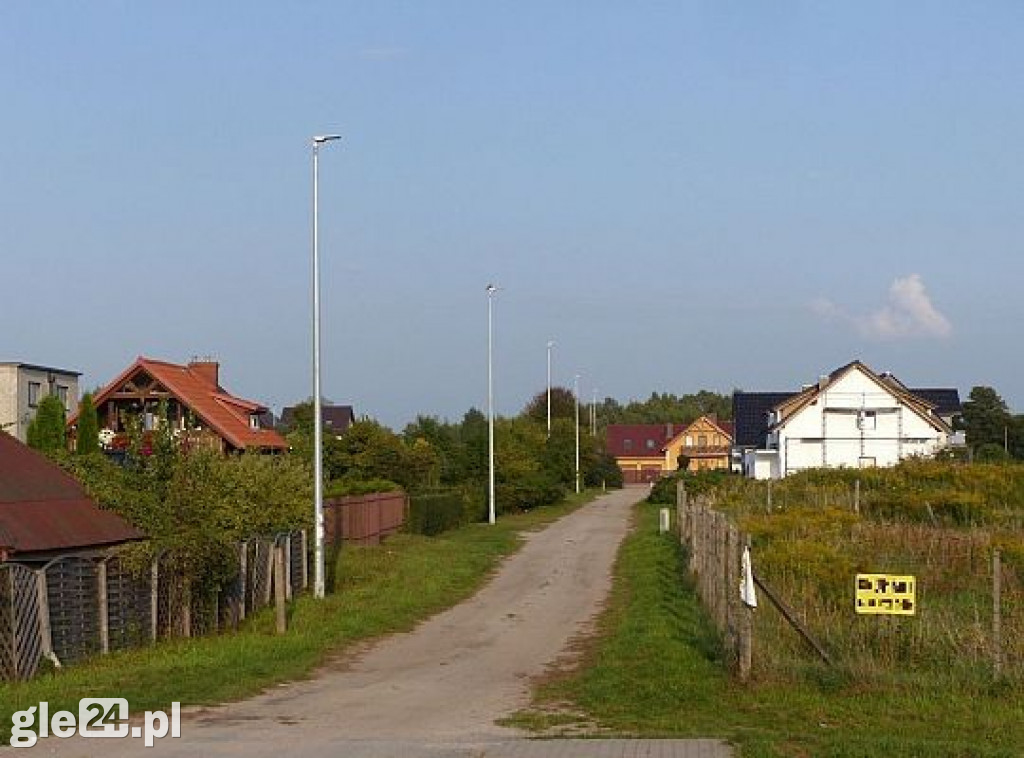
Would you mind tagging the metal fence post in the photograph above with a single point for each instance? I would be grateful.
(154, 597)
(997, 613)
(280, 615)
(305, 561)
(243, 578)
(288, 566)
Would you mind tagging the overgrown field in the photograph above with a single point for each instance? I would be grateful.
(656, 669)
(938, 522)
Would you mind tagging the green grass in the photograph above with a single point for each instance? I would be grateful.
(655, 670)
(378, 590)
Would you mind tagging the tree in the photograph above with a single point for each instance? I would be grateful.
(47, 432)
(986, 419)
(88, 440)
(563, 405)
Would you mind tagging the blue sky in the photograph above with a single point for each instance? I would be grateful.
(682, 195)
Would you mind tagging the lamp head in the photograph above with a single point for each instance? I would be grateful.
(322, 138)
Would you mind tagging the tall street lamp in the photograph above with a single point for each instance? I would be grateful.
(593, 414)
(491, 290)
(576, 395)
(318, 455)
(551, 344)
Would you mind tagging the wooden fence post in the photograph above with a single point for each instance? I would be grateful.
(746, 632)
(997, 613)
(104, 609)
(280, 616)
(154, 598)
(43, 601)
(856, 495)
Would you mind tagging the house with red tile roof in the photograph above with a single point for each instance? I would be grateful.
(45, 512)
(195, 403)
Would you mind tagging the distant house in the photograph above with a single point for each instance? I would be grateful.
(852, 418)
(705, 444)
(336, 419)
(22, 388)
(639, 450)
(195, 403)
(44, 512)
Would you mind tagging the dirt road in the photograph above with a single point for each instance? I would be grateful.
(437, 690)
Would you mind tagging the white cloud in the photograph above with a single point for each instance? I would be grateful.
(909, 313)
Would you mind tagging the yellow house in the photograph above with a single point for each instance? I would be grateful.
(704, 444)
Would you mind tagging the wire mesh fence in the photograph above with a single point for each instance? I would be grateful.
(966, 627)
(74, 607)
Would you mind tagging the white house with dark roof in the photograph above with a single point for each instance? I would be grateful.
(851, 418)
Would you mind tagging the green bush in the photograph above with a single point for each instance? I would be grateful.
(529, 491)
(435, 511)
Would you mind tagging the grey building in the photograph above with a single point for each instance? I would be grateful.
(24, 385)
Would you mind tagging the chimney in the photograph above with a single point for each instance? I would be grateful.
(823, 381)
(207, 369)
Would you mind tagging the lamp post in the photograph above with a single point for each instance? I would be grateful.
(491, 290)
(318, 454)
(593, 414)
(576, 395)
(551, 344)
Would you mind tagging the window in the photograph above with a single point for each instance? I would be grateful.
(867, 461)
(627, 444)
(650, 444)
(254, 421)
(62, 392)
(33, 394)
(867, 420)
(702, 440)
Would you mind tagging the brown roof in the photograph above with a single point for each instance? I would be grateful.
(42, 508)
(197, 388)
(726, 427)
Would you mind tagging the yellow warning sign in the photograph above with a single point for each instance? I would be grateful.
(886, 594)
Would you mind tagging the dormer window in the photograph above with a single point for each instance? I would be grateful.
(254, 421)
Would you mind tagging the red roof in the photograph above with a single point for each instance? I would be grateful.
(42, 508)
(196, 387)
(640, 440)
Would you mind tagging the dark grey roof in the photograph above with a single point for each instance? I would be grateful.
(750, 415)
(946, 401)
(336, 418)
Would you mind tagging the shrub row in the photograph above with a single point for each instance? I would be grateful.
(436, 511)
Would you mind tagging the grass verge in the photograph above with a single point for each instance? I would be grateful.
(654, 669)
(379, 590)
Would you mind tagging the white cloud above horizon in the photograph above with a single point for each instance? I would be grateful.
(908, 314)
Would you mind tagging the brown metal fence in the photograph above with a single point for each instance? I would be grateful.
(364, 519)
(75, 607)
